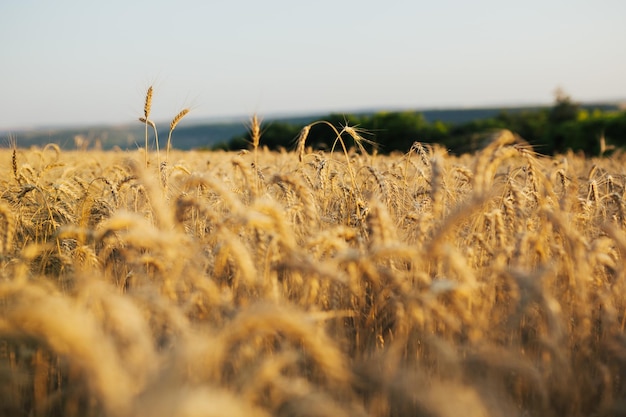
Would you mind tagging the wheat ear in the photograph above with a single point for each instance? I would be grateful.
(255, 131)
(146, 117)
(13, 144)
(173, 124)
(148, 104)
(255, 135)
(304, 133)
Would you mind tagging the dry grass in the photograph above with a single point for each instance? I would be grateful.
(303, 283)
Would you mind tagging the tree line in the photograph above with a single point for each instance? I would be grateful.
(563, 126)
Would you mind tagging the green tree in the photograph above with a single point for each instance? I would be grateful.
(564, 109)
(561, 118)
(398, 130)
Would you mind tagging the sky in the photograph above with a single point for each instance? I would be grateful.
(70, 62)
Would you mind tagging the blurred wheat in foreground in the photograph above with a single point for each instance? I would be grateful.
(312, 284)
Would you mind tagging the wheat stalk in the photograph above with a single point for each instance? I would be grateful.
(173, 125)
(255, 132)
(13, 146)
(255, 135)
(304, 134)
(7, 229)
(146, 118)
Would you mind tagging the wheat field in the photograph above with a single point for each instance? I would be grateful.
(311, 283)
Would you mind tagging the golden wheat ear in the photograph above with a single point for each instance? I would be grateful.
(304, 133)
(173, 125)
(148, 103)
(147, 106)
(149, 122)
(13, 146)
(255, 135)
(255, 131)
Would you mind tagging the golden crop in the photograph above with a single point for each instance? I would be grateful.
(312, 284)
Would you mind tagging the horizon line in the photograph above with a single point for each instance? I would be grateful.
(277, 115)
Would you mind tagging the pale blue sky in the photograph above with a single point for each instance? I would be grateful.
(69, 61)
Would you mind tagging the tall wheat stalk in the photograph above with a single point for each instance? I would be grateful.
(255, 136)
(13, 147)
(173, 125)
(146, 119)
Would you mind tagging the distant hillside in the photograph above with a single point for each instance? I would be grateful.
(193, 135)
(465, 115)
(128, 136)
